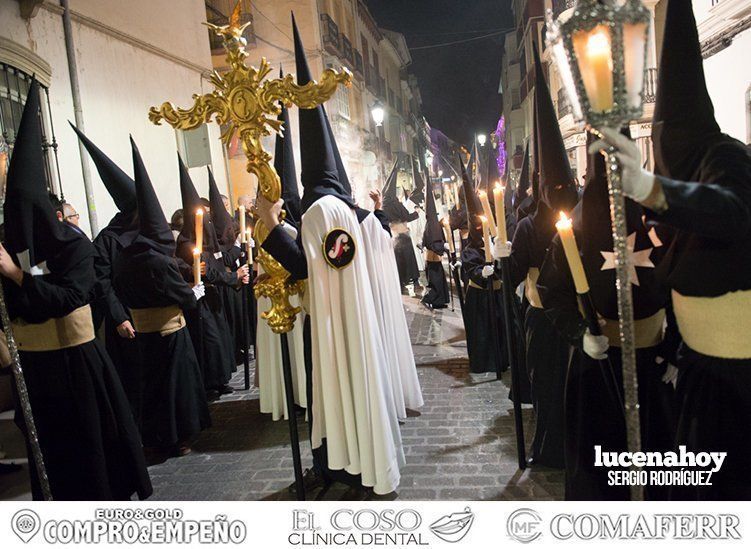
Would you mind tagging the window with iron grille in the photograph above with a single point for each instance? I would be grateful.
(341, 99)
(14, 88)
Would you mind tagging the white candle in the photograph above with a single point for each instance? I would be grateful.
(241, 216)
(196, 266)
(486, 239)
(449, 236)
(199, 229)
(596, 66)
(486, 210)
(566, 233)
(500, 213)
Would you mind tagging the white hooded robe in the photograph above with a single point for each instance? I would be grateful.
(352, 400)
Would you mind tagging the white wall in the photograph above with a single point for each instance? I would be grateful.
(119, 81)
(728, 75)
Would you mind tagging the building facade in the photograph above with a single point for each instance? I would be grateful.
(130, 56)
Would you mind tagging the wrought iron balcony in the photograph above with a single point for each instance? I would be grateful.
(559, 6)
(650, 86)
(358, 63)
(347, 52)
(564, 107)
(330, 34)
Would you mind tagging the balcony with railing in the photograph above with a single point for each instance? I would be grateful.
(330, 34)
(358, 64)
(348, 53)
(650, 86)
(559, 6)
(217, 13)
(564, 107)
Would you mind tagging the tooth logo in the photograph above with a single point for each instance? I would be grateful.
(25, 523)
(452, 528)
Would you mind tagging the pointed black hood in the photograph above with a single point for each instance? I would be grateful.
(320, 174)
(591, 219)
(284, 163)
(191, 202)
(522, 187)
(121, 187)
(153, 229)
(433, 237)
(472, 206)
(557, 186)
(224, 225)
(418, 194)
(30, 220)
(683, 126)
(392, 206)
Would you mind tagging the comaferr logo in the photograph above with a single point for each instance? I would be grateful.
(698, 526)
(524, 525)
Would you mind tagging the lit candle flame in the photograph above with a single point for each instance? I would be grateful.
(598, 43)
(563, 222)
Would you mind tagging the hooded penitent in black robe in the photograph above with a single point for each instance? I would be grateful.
(481, 341)
(148, 280)
(705, 177)
(232, 257)
(399, 216)
(594, 414)
(88, 438)
(434, 241)
(547, 353)
(118, 234)
(212, 338)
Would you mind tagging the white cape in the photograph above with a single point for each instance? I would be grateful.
(352, 402)
(392, 322)
(269, 359)
(416, 229)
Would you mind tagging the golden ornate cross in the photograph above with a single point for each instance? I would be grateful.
(248, 105)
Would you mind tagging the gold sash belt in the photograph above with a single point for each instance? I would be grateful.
(73, 329)
(432, 256)
(716, 326)
(165, 320)
(473, 284)
(648, 331)
(530, 288)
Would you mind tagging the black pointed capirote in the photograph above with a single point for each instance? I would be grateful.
(153, 229)
(30, 220)
(221, 219)
(557, 186)
(284, 164)
(472, 207)
(319, 170)
(120, 185)
(683, 125)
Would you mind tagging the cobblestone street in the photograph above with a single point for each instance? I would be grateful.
(460, 445)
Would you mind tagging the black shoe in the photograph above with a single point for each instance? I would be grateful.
(356, 493)
(311, 480)
(226, 390)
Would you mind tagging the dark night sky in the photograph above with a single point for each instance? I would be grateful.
(458, 83)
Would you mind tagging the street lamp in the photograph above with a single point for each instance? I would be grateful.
(600, 52)
(440, 173)
(482, 139)
(378, 113)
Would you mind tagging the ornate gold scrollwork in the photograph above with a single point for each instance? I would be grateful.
(248, 104)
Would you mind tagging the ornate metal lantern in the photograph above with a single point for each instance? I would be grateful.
(600, 52)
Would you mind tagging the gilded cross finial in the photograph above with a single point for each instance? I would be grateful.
(247, 104)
